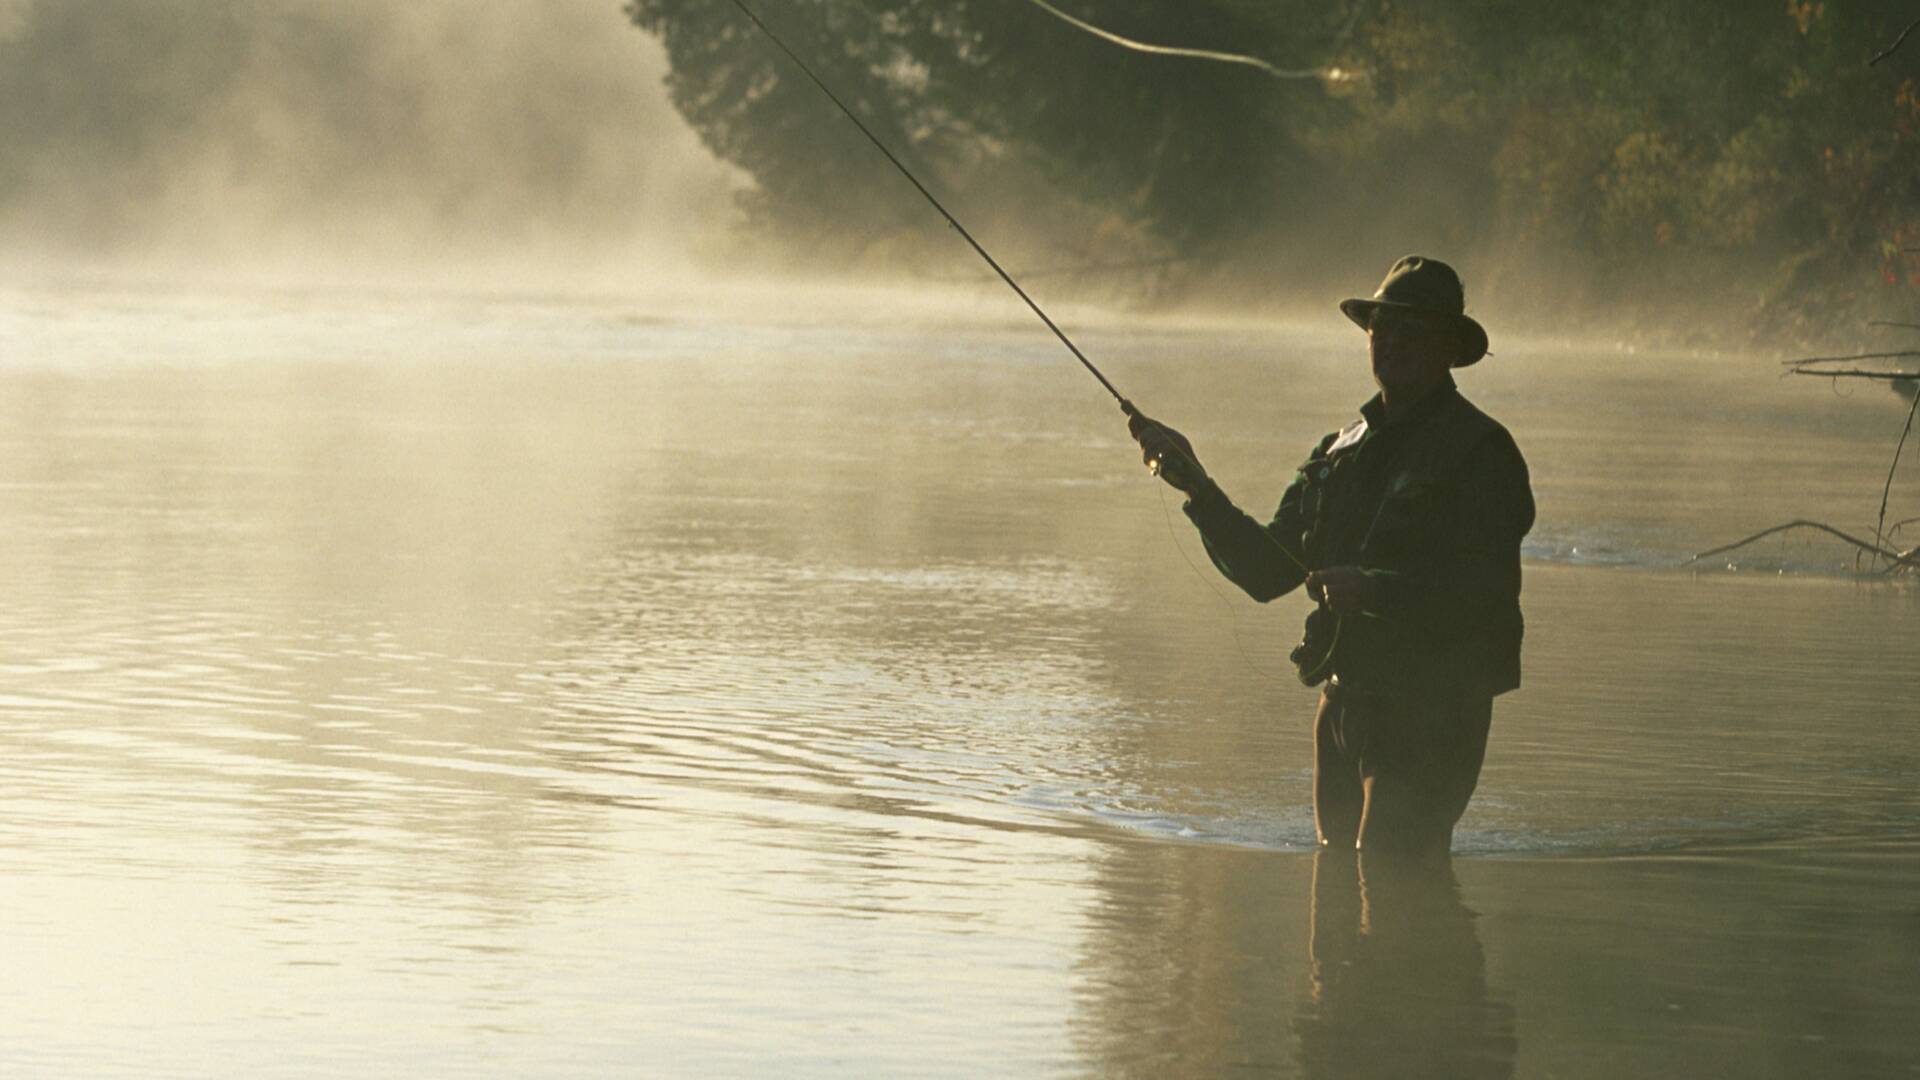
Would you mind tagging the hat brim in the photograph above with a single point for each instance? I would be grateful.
(1473, 338)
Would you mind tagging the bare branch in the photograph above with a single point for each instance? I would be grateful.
(1899, 41)
(1856, 373)
(1902, 354)
(1900, 325)
(1906, 559)
(1879, 527)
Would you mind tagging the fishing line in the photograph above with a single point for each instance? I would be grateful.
(1233, 621)
(1214, 55)
(1126, 406)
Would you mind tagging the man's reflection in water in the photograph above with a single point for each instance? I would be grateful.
(1397, 978)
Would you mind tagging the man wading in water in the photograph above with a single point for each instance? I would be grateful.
(1405, 526)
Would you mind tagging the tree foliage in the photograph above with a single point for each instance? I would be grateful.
(1621, 144)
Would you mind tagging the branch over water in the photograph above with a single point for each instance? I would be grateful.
(1909, 559)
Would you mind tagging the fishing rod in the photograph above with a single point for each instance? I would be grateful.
(1125, 405)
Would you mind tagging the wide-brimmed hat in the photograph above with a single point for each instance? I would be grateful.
(1426, 287)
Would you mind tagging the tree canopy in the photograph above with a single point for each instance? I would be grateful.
(1577, 154)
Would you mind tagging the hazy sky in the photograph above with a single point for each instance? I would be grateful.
(510, 139)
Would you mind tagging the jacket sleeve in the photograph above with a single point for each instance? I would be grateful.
(1266, 561)
(1468, 573)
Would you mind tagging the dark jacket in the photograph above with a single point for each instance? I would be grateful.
(1434, 503)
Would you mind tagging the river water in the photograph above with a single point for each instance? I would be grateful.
(457, 685)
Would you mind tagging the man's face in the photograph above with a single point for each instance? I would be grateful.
(1409, 352)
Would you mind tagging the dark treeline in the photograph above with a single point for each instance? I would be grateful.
(1588, 157)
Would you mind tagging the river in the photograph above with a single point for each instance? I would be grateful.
(587, 686)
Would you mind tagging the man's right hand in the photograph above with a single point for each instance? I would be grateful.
(1167, 453)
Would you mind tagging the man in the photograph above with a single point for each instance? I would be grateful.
(1405, 527)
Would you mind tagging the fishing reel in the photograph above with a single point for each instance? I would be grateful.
(1313, 657)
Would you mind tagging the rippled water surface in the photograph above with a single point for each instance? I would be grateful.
(572, 689)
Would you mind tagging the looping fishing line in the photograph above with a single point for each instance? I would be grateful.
(1215, 55)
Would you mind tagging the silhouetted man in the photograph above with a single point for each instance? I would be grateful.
(1405, 526)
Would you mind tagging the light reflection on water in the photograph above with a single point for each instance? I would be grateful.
(544, 690)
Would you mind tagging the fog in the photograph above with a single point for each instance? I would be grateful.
(521, 143)
(1583, 171)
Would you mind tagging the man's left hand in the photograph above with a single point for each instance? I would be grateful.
(1348, 590)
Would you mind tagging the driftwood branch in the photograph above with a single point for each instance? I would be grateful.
(1899, 355)
(1816, 366)
(1879, 526)
(1908, 559)
(1856, 373)
(1897, 42)
(1811, 366)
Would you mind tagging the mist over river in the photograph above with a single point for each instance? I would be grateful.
(817, 686)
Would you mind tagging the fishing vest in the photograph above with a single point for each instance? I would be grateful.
(1383, 500)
